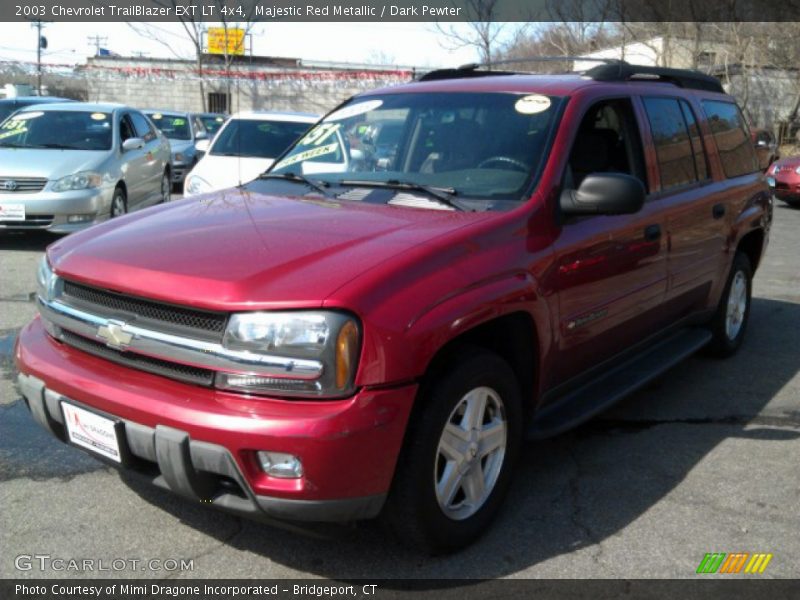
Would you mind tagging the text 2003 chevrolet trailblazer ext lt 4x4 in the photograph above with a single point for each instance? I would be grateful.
(433, 272)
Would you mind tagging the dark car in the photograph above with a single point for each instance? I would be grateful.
(343, 338)
(9, 106)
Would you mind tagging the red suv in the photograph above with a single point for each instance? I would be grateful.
(374, 328)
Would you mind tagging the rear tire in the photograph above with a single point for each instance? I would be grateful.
(458, 457)
(730, 321)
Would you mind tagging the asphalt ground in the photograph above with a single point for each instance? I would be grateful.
(703, 460)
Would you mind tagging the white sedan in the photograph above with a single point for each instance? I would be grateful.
(245, 147)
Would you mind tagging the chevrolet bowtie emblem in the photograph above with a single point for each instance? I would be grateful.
(114, 334)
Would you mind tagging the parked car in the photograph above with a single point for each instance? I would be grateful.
(212, 122)
(65, 166)
(783, 177)
(183, 130)
(11, 105)
(339, 339)
(244, 148)
(766, 147)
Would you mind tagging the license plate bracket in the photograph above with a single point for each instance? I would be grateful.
(101, 435)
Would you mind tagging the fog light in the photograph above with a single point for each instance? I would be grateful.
(79, 218)
(280, 464)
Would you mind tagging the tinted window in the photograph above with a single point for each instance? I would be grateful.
(254, 137)
(736, 151)
(676, 160)
(67, 130)
(212, 123)
(126, 130)
(700, 158)
(142, 126)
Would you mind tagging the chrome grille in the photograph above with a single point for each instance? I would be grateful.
(199, 324)
(14, 185)
(139, 361)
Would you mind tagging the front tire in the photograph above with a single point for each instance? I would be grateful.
(119, 203)
(457, 462)
(166, 187)
(730, 321)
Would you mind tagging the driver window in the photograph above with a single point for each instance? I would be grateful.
(126, 128)
(608, 141)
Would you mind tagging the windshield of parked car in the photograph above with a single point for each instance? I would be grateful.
(477, 145)
(175, 127)
(58, 130)
(257, 138)
(212, 123)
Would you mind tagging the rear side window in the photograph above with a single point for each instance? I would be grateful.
(736, 151)
(672, 139)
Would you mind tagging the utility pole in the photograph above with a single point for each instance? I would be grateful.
(39, 43)
(98, 42)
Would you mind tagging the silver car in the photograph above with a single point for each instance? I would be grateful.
(66, 166)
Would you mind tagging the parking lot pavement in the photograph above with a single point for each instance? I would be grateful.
(703, 460)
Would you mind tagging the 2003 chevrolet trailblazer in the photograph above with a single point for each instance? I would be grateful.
(431, 273)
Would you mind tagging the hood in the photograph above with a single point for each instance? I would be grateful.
(49, 163)
(241, 250)
(229, 171)
(791, 162)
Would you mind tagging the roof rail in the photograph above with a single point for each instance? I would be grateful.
(610, 69)
(472, 69)
(685, 78)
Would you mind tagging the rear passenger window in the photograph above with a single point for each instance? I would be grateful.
(736, 151)
(676, 158)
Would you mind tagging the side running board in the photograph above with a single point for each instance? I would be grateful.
(599, 394)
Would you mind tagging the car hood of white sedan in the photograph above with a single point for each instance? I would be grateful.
(223, 172)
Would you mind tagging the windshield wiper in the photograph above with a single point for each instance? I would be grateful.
(320, 186)
(442, 194)
(56, 146)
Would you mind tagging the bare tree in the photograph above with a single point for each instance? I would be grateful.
(482, 30)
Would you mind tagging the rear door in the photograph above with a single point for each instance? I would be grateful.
(611, 271)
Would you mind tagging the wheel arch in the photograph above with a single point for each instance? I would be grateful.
(752, 245)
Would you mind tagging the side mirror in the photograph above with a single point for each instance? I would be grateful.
(132, 144)
(203, 146)
(201, 135)
(604, 194)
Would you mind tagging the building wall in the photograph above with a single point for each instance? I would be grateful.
(176, 85)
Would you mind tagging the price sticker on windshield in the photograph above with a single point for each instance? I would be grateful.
(533, 104)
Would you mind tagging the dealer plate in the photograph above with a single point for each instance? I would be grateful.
(92, 431)
(12, 212)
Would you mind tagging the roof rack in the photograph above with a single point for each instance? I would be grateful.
(610, 69)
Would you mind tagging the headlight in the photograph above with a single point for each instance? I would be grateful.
(330, 338)
(45, 280)
(78, 181)
(177, 157)
(197, 185)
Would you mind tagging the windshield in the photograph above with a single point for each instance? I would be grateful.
(212, 123)
(480, 145)
(257, 138)
(65, 130)
(175, 127)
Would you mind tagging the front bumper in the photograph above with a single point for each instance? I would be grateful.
(49, 211)
(201, 443)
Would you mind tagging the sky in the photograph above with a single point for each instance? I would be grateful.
(405, 44)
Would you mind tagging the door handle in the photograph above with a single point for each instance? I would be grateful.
(718, 211)
(652, 232)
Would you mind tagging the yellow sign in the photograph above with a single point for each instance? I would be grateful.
(219, 38)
